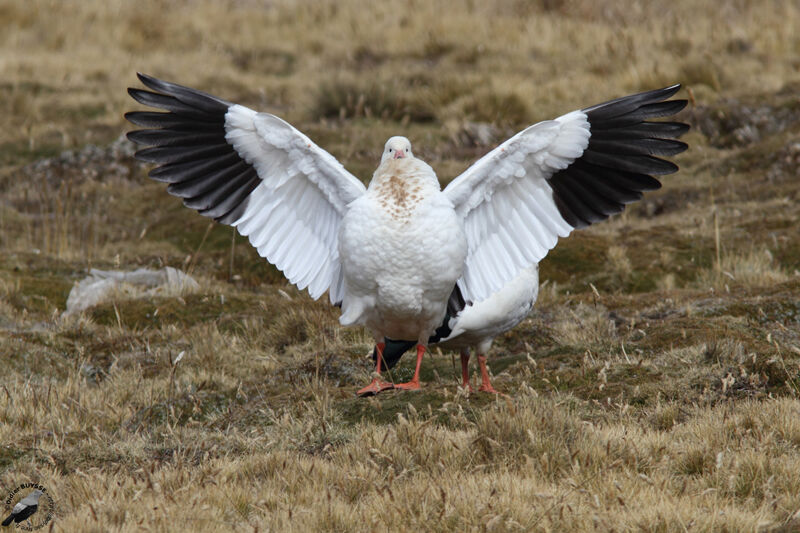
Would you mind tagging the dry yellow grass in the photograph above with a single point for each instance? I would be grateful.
(654, 388)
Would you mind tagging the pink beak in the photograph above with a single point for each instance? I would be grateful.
(399, 154)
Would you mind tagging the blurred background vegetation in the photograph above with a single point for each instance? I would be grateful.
(654, 386)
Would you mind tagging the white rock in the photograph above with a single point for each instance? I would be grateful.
(104, 285)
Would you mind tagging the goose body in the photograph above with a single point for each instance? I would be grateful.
(478, 324)
(403, 248)
(402, 255)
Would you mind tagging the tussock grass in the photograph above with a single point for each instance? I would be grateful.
(754, 268)
(569, 471)
(584, 326)
(654, 387)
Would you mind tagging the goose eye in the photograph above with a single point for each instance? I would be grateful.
(390, 150)
(406, 149)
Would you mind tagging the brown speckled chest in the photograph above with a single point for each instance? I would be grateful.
(399, 196)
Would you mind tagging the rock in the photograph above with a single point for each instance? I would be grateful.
(103, 285)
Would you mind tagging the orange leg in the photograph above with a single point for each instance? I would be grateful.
(486, 386)
(414, 383)
(465, 370)
(377, 385)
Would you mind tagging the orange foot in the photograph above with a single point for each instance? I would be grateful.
(375, 387)
(487, 387)
(411, 385)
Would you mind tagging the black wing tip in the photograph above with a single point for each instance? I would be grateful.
(681, 129)
(186, 139)
(622, 159)
(159, 85)
(179, 100)
(658, 94)
(670, 90)
(680, 146)
(637, 100)
(140, 118)
(151, 83)
(145, 154)
(139, 94)
(683, 103)
(134, 136)
(146, 78)
(667, 167)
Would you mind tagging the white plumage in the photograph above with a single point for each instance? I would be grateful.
(392, 254)
(293, 215)
(507, 205)
(402, 248)
(477, 325)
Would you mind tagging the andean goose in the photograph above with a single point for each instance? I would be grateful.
(394, 254)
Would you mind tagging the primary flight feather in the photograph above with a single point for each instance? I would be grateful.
(396, 255)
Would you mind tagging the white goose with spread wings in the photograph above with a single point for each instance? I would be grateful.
(397, 254)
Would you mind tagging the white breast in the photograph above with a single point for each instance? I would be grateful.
(402, 248)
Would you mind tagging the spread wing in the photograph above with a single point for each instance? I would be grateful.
(253, 171)
(559, 175)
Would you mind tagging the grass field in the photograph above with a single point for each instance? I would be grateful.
(655, 386)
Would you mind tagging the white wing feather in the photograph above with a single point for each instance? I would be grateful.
(510, 217)
(293, 215)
